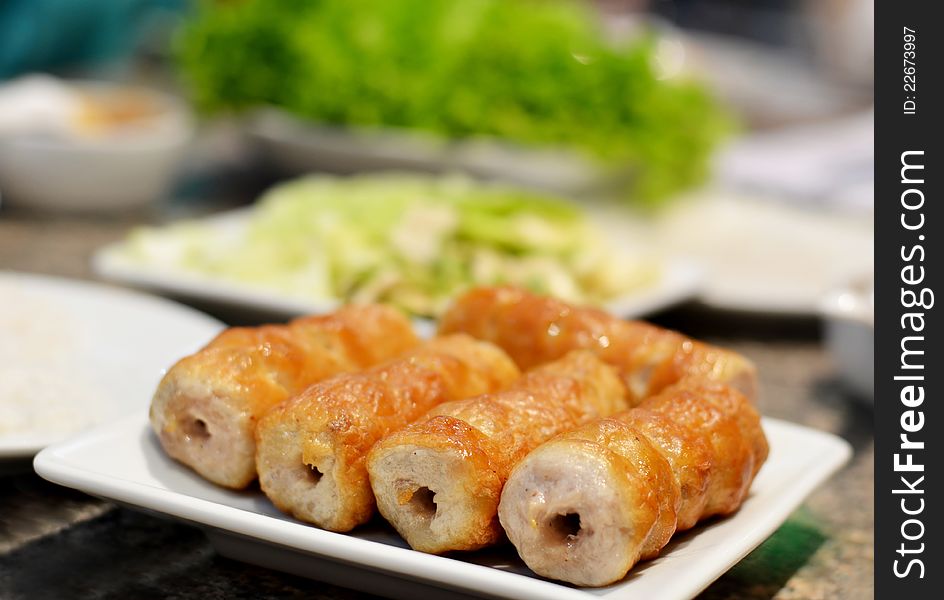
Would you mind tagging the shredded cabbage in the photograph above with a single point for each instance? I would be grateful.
(413, 241)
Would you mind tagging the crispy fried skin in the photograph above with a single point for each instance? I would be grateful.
(312, 450)
(537, 329)
(458, 456)
(731, 427)
(688, 454)
(586, 513)
(589, 504)
(206, 407)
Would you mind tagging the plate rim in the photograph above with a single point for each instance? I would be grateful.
(21, 446)
(53, 464)
(679, 280)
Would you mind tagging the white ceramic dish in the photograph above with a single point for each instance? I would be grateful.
(295, 146)
(849, 322)
(122, 461)
(679, 281)
(123, 168)
(759, 254)
(112, 342)
(762, 255)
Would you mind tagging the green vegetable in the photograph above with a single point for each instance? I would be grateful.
(537, 72)
(408, 240)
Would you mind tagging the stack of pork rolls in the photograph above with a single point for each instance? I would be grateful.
(439, 480)
(589, 504)
(206, 407)
(586, 440)
(622, 435)
(312, 449)
(536, 329)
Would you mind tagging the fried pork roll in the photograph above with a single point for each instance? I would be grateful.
(731, 427)
(438, 482)
(206, 407)
(587, 505)
(312, 450)
(537, 329)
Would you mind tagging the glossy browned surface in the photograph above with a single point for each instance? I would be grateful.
(252, 369)
(645, 468)
(688, 453)
(639, 474)
(731, 427)
(493, 432)
(355, 410)
(272, 362)
(697, 433)
(536, 329)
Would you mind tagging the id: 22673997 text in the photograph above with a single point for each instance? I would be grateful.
(910, 70)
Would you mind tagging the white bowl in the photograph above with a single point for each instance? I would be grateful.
(849, 320)
(125, 167)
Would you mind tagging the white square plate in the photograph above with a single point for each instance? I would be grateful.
(74, 354)
(679, 280)
(123, 462)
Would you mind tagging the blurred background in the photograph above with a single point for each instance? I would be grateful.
(704, 163)
(765, 103)
(723, 146)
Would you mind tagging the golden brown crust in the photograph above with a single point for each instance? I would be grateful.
(480, 483)
(730, 425)
(308, 349)
(688, 454)
(537, 329)
(492, 433)
(544, 402)
(245, 371)
(341, 418)
(704, 445)
(644, 468)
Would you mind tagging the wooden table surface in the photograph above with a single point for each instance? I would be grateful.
(57, 543)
